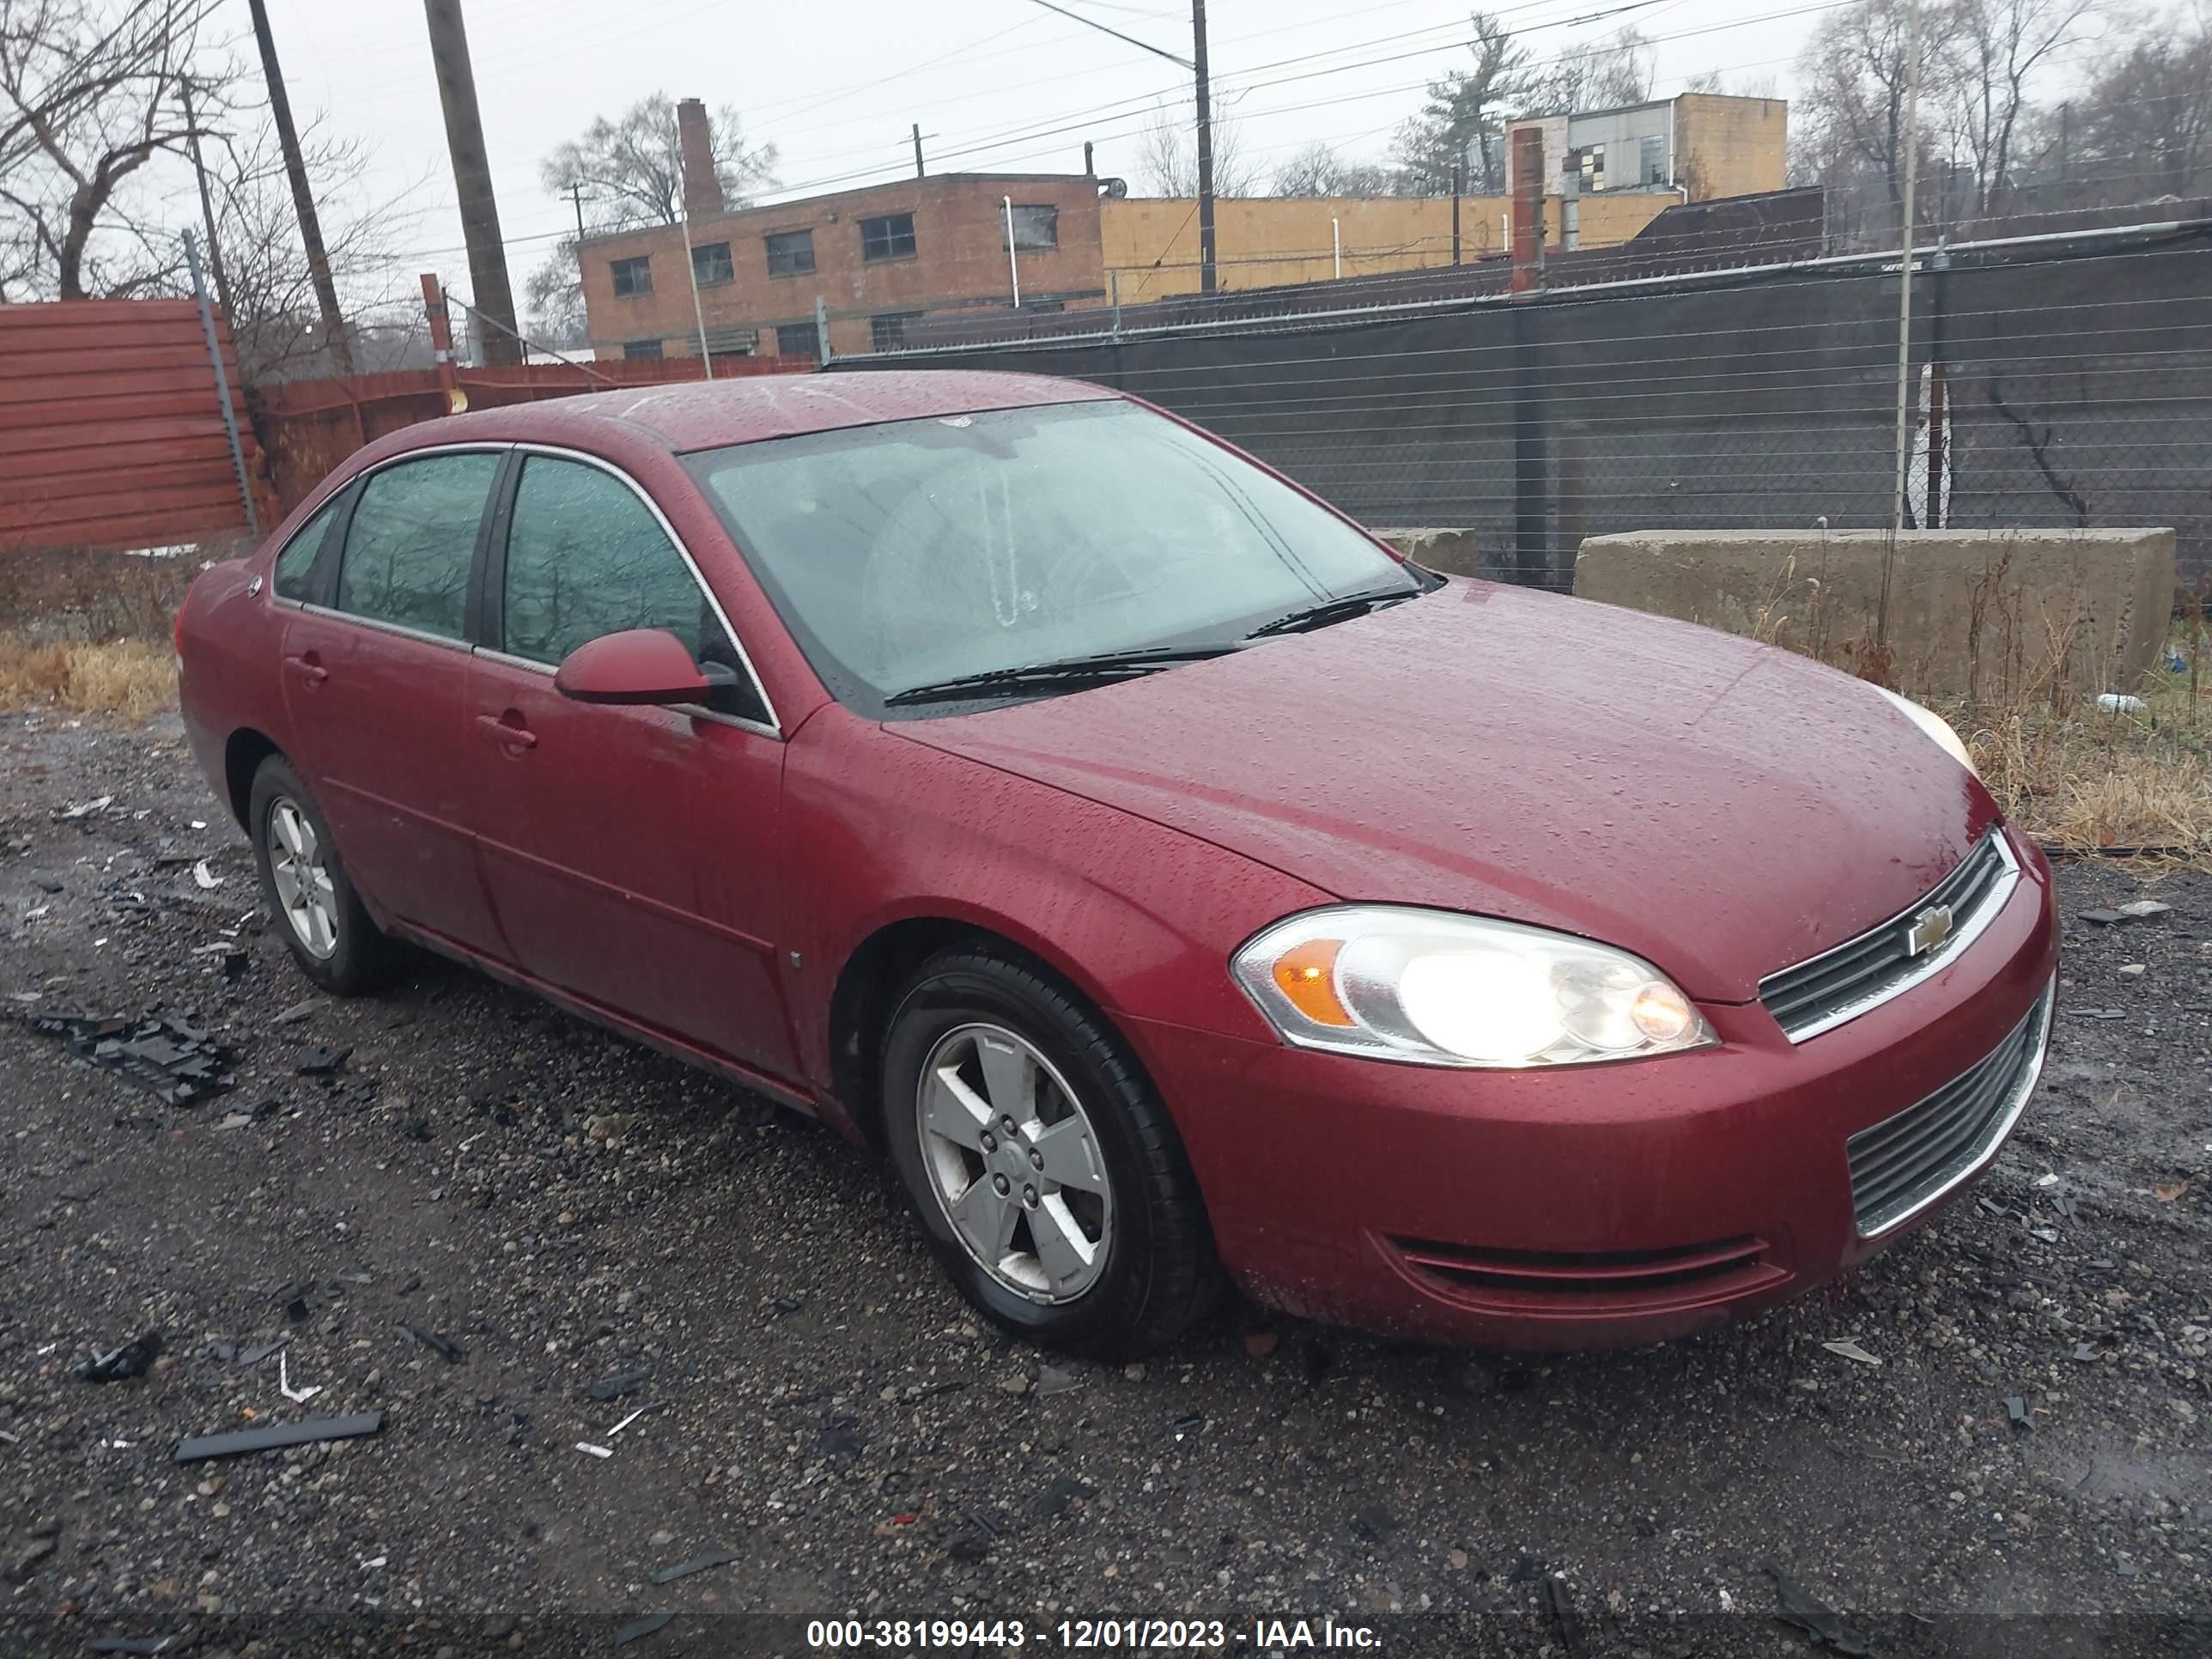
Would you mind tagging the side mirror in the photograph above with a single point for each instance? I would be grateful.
(640, 665)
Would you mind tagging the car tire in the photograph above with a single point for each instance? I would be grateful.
(1087, 1112)
(305, 885)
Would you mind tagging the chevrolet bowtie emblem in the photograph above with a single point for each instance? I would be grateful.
(1929, 929)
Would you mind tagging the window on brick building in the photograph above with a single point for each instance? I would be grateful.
(887, 331)
(790, 252)
(798, 340)
(632, 277)
(1034, 227)
(711, 264)
(641, 348)
(1655, 159)
(891, 237)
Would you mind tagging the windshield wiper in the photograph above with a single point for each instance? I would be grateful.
(1067, 673)
(1330, 610)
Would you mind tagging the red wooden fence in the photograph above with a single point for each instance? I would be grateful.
(111, 435)
(310, 426)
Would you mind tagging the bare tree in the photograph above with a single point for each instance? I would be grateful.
(629, 171)
(1167, 156)
(91, 91)
(1318, 170)
(1607, 74)
(1851, 94)
(1996, 48)
(632, 171)
(2146, 119)
(274, 316)
(1464, 121)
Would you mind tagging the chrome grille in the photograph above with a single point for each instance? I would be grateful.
(1821, 993)
(1905, 1163)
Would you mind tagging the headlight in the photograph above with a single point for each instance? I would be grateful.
(1433, 988)
(1934, 725)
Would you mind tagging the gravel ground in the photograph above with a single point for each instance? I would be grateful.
(562, 1207)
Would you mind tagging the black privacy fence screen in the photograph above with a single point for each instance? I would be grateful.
(2052, 382)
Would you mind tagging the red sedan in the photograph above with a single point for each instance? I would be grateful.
(1177, 885)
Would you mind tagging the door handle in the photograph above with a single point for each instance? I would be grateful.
(519, 737)
(307, 669)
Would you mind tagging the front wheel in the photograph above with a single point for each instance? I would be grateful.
(1044, 1167)
(305, 884)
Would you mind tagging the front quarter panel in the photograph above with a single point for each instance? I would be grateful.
(1141, 918)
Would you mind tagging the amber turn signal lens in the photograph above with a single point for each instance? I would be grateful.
(1307, 975)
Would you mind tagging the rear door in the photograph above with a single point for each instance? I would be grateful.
(632, 854)
(376, 665)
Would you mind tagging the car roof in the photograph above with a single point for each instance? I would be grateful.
(744, 409)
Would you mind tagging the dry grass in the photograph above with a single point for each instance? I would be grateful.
(130, 679)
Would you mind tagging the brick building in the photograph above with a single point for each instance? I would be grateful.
(1700, 147)
(873, 256)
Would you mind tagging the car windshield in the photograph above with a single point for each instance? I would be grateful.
(912, 555)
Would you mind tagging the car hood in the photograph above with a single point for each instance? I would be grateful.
(1720, 807)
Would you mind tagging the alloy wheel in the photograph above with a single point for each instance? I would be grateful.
(301, 871)
(1014, 1163)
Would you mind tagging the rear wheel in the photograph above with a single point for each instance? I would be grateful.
(1044, 1167)
(304, 883)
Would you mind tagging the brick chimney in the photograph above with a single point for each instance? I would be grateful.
(703, 189)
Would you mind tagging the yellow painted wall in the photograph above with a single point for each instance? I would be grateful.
(1727, 146)
(1152, 242)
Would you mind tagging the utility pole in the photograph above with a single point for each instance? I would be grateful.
(457, 93)
(303, 197)
(576, 195)
(1459, 184)
(207, 202)
(1905, 285)
(1205, 147)
(917, 149)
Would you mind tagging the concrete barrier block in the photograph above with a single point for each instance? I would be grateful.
(1992, 615)
(1450, 550)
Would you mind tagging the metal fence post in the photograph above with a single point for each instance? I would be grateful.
(822, 330)
(221, 385)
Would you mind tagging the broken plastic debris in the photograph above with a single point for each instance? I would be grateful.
(613, 1387)
(316, 1060)
(194, 1448)
(2119, 703)
(2142, 907)
(85, 808)
(713, 1557)
(590, 1451)
(131, 1360)
(177, 1062)
(453, 1351)
(1851, 1350)
(1799, 1606)
(2016, 1409)
(645, 1627)
(206, 878)
(297, 1397)
(131, 1644)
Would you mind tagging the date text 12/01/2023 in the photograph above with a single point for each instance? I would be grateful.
(1081, 1635)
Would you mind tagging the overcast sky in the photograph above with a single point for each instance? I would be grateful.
(835, 83)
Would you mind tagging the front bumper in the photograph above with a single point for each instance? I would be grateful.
(1594, 1205)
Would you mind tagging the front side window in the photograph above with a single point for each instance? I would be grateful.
(1037, 227)
(915, 552)
(295, 565)
(891, 237)
(790, 252)
(412, 539)
(584, 557)
(710, 264)
(632, 277)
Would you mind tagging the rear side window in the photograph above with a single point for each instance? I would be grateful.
(295, 565)
(413, 534)
(585, 556)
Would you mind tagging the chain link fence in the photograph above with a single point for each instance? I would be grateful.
(2053, 381)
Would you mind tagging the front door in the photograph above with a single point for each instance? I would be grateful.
(631, 854)
(376, 666)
